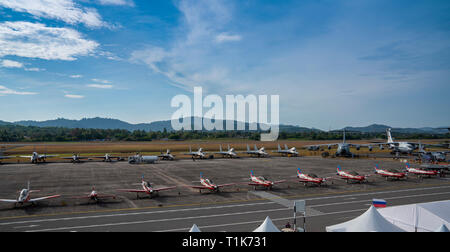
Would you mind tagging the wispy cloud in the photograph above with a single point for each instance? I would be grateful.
(117, 2)
(224, 37)
(6, 91)
(11, 64)
(34, 40)
(100, 86)
(73, 96)
(101, 81)
(64, 10)
(76, 76)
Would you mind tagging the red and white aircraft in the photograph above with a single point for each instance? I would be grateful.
(262, 181)
(25, 197)
(147, 189)
(391, 173)
(351, 175)
(95, 196)
(420, 172)
(310, 178)
(209, 185)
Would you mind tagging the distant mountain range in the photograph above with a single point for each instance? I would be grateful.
(108, 123)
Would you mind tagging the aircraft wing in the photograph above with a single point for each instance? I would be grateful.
(199, 187)
(44, 198)
(224, 185)
(104, 196)
(254, 184)
(320, 145)
(131, 190)
(47, 156)
(25, 156)
(8, 201)
(164, 188)
(279, 181)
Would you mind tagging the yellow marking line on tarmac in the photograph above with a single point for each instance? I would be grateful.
(221, 202)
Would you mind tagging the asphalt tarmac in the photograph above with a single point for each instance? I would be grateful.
(237, 208)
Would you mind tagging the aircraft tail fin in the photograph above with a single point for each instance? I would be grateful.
(286, 147)
(256, 148)
(201, 175)
(251, 173)
(248, 148)
(389, 135)
(279, 147)
(220, 148)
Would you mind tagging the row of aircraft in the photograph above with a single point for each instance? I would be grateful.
(342, 150)
(255, 181)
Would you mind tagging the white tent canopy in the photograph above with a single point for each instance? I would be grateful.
(267, 226)
(370, 221)
(423, 217)
(443, 229)
(194, 229)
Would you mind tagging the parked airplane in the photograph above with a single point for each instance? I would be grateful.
(431, 156)
(139, 159)
(36, 158)
(352, 175)
(390, 173)
(3, 157)
(310, 178)
(209, 185)
(402, 147)
(25, 197)
(262, 181)
(287, 152)
(108, 158)
(343, 149)
(75, 158)
(167, 155)
(230, 153)
(147, 188)
(198, 154)
(257, 152)
(420, 172)
(95, 196)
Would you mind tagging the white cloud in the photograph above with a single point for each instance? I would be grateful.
(224, 37)
(117, 2)
(11, 64)
(35, 40)
(64, 10)
(76, 76)
(6, 91)
(100, 86)
(101, 81)
(72, 96)
(34, 69)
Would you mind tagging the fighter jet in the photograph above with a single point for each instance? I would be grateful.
(36, 158)
(75, 158)
(208, 184)
(257, 152)
(95, 196)
(198, 154)
(25, 197)
(431, 156)
(167, 156)
(262, 181)
(343, 149)
(391, 173)
(108, 158)
(230, 153)
(147, 188)
(287, 152)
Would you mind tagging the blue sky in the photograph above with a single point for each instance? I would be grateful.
(333, 63)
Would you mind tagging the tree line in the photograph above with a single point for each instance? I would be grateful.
(16, 133)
